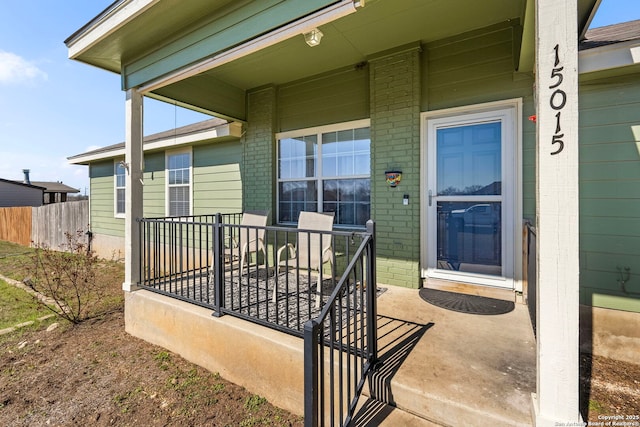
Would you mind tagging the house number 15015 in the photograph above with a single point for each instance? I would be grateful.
(557, 101)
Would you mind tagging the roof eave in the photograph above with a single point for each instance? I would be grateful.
(608, 57)
(224, 132)
(114, 17)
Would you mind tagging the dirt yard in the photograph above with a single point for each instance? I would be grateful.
(95, 374)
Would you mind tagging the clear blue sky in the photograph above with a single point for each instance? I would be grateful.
(52, 107)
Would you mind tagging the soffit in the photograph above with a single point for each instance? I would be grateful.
(380, 25)
(144, 30)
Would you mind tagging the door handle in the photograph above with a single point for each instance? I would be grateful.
(430, 197)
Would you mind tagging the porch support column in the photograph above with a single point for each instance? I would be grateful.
(133, 189)
(556, 90)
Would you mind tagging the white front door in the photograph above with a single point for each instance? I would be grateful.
(470, 186)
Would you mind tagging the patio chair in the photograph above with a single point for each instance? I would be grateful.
(313, 249)
(252, 240)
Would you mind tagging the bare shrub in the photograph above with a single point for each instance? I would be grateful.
(68, 279)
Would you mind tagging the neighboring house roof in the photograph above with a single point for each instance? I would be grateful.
(55, 187)
(32, 185)
(611, 50)
(206, 130)
(611, 34)
(46, 186)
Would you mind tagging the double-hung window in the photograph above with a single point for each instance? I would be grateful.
(326, 169)
(119, 174)
(179, 183)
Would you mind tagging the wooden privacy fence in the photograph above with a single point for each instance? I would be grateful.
(45, 225)
(15, 225)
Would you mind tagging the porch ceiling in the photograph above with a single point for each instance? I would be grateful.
(380, 25)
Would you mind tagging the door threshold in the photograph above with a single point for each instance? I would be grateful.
(470, 289)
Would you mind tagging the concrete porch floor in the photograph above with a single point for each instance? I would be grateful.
(441, 367)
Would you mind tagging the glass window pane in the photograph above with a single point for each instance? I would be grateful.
(179, 201)
(179, 178)
(469, 237)
(469, 159)
(362, 165)
(120, 175)
(347, 156)
(120, 201)
(349, 199)
(296, 196)
(345, 153)
(297, 157)
(362, 135)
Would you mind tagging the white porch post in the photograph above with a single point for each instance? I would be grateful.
(133, 189)
(556, 400)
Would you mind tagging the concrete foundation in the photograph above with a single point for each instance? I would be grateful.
(265, 362)
(610, 333)
(108, 247)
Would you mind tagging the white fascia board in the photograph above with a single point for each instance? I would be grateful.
(180, 140)
(301, 26)
(607, 57)
(233, 129)
(107, 24)
(85, 160)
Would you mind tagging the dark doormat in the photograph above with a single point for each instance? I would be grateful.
(462, 303)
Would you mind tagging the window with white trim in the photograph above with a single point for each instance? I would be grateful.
(326, 169)
(119, 197)
(179, 184)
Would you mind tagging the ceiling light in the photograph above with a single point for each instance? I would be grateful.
(313, 37)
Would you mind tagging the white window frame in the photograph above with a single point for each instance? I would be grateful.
(167, 186)
(318, 130)
(513, 169)
(117, 163)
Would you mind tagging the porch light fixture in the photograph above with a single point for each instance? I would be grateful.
(313, 37)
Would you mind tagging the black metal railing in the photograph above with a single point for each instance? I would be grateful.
(530, 272)
(215, 261)
(176, 253)
(340, 345)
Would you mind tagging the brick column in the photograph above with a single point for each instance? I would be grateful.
(259, 151)
(395, 145)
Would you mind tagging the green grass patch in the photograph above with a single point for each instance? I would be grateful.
(254, 402)
(17, 306)
(595, 406)
(14, 260)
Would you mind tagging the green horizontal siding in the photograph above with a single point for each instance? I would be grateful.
(217, 186)
(333, 98)
(102, 216)
(609, 194)
(528, 161)
(154, 190)
(217, 182)
(472, 68)
(154, 194)
(594, 225)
